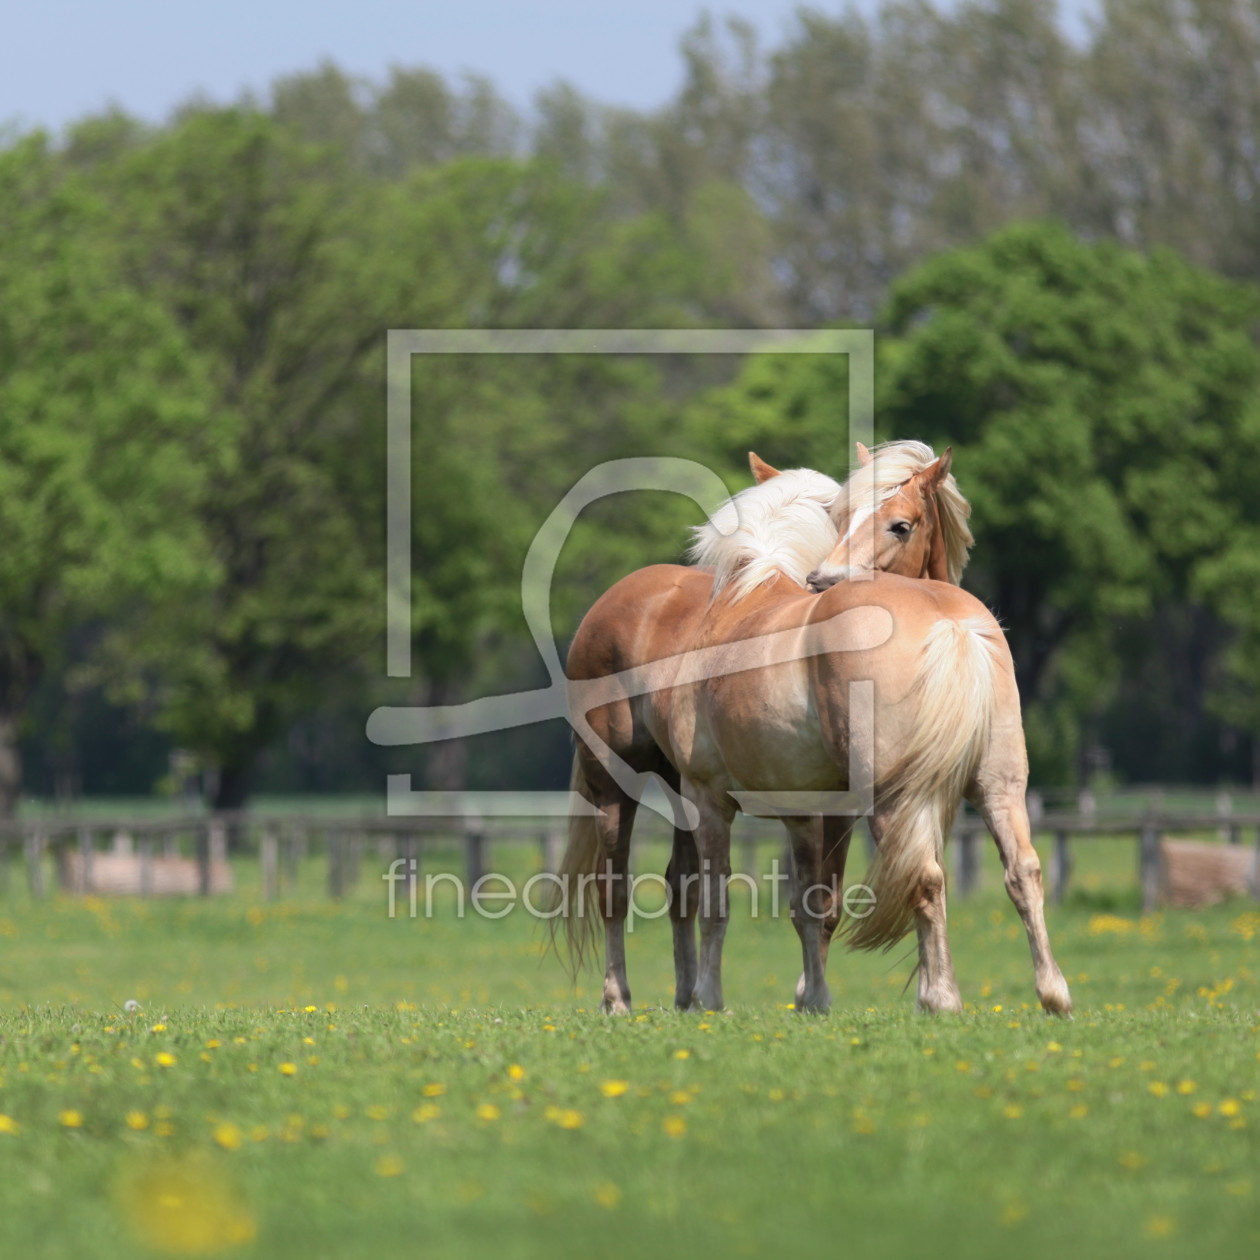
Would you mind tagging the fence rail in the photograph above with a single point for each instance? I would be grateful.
(83, 849)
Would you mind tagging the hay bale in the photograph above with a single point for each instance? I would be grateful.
(1195, 874)
(123, 875)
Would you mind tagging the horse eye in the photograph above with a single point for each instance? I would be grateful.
(900, 528)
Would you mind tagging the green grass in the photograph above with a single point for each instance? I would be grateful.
(451, 1094)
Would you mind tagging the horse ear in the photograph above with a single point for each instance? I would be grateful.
(761, 471)
(864, 456)
(936, 472)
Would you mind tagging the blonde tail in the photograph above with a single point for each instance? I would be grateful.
(954, 695)
(577, 898)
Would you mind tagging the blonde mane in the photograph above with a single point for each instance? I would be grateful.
(784, 525)
(791, 523)
(892, 465)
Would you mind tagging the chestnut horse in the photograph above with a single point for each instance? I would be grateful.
(762, 720)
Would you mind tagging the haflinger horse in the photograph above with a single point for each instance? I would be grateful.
(738, 686)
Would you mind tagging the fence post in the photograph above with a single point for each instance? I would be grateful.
(336, 872)
(146, 863)
(85, 860)
(1148, 864)
(552, 849)
(33, 844)
(967, 864)
(1062, 866)
(269, 860)
(474, 850)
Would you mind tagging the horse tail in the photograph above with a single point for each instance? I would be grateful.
(954, 696)
(575, 905)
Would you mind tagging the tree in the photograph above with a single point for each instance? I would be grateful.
(252, 243)
(102, 434)
(1101, 404)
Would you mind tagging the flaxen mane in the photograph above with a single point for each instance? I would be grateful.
(791, 523)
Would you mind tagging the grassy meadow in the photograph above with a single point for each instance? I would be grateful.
(315, 1079)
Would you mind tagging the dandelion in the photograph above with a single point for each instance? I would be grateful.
(434, 1090)
(1132, 1161)
(680, 1098)
(389, 1166)
(488, 1111)
(70, 1119)
(9, 1125)
(228, 1136)
(185, 1208)
(377, 1112)
(674, 1126)
(1079, 1111)
(1160, 1226)
(515, 1072)
(1230, 1107)
(1158, 1088)
(164, 1058)
(1202, 1110)
(1012, 1111)
(607, 1194)
(137, 1121)
(310, 1010)
(682, 1054)
(1186, 1087)
(288, 1069)
(569, 1118)
(614, 1089)
(426, 1112)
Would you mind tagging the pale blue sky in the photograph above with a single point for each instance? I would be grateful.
(61, 59)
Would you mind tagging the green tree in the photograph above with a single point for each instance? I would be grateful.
(263, 254)
(103, 437)
(1101, 404)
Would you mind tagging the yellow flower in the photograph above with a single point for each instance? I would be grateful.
(389, 1166)
(1012, 1111)
(565, 1117)
(71, 1119)
(164, 1058)
(682, 1054)
(8, 1124)
(1185, 1087)
(614, 1089)
(674, 1126)
(185, 1208)
(377, 1112)
(228, 1136)
(426, 1112)
(137, 1120)
(962, 1066)
(488, 1111)
(607, 1194)
(515, 1072)
(1079, 1112)
(1132, 1161)
(1160, 1226)
(1158, 1088)
(1202, 1110)
(1230, 1107)
(158, 1028)
(433, 1090)
(310, 1010)
(213, 1044)
(288, 1069)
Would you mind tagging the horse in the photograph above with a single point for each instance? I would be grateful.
(948, 723)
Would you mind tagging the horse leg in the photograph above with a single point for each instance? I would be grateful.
(612, 884)
(1001, 804)
(836, 832)
(682, 877)
(938, 987)
(713, 849)
(810, 904)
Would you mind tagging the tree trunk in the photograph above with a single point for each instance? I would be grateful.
(236, 781)
(446, 767)
(10, 766)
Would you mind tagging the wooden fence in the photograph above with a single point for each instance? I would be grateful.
(189, 854)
